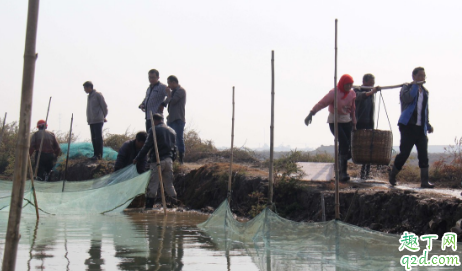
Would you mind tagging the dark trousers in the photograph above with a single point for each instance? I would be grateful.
(178, 127)
(412, 135)
(364, 125)
(46, 163)
(148, 125)
(96, 131)
(344, 138)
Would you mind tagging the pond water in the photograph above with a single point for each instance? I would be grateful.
(128, 241)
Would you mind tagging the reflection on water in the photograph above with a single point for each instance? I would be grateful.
(130, 241)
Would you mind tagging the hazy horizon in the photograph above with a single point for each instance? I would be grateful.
(212, 46)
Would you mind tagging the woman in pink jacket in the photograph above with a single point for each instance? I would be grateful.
(346, 119)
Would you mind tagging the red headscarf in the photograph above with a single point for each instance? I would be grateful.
(345, 79)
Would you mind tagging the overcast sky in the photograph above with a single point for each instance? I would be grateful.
(212, 46)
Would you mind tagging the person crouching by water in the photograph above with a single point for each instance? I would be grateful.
(413, 127)
(346, 119)
(167, 153)
(129, 151)
(365, 108)
(50, 151)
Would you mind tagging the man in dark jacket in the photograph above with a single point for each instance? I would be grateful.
(176, 113)
(413, 126)
(166, 146)
(129, 151)
(365, 108)
(50, 150)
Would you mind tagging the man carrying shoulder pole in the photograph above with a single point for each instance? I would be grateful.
(413, 126)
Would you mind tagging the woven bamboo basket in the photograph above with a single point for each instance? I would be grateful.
(371, 147)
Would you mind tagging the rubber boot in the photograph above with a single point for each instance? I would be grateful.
(149, 203)
(363, 172)
(343, 163)
(368, 171)
(392, 176)
(424, 183)
(181, 158)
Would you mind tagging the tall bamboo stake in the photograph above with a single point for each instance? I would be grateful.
(22, 144)
(3, 129)
(159, 168)
(337, 202)
(68, 149)
(232, 153)
(31, 173)
(271, 176)
(41, 140)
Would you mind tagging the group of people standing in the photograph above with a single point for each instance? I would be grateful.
(356, 111)
(170, 136)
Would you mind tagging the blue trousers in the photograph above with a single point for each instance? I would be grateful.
(178, 127)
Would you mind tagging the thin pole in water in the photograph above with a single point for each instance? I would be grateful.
(232, 153)
(3, 129)
(68, 149)
(41, 141)
(271, 173)
(159, 167)
(31, 173)
(337, 202)
(23, 143)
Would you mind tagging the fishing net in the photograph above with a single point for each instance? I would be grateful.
(110, 193)
(275, 243)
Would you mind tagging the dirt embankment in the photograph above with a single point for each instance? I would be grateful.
(382, 209)
(204, 187)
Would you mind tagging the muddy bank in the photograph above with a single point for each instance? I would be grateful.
(204, 187)
(386, 210)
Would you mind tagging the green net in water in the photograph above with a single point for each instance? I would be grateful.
(110, 193)
(275, 243)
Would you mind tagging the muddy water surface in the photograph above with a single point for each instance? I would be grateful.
(129, 241)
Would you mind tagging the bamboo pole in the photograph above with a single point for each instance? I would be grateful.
(390, 87)
(41, 140)
(22, 144)
(337, 202)
(68, 149)
(31, 173)
(3, 129)
(159, 168)
(232, 153)
(271, 173)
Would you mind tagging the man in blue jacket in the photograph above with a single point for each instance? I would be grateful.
(413, 127)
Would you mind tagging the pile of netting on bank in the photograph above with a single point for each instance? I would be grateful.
(110, 193)
(82, 150)
(275, 243)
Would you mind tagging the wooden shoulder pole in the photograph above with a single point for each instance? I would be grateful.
(232, 153)
(337, 202)
(41, 140)
(68, 150)
(23, 142)
(3, 129)
(271, 170)
(159, 168)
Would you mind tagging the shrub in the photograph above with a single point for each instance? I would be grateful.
(449, 168)
(8, 147)
(196, 148)
(115, 141)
